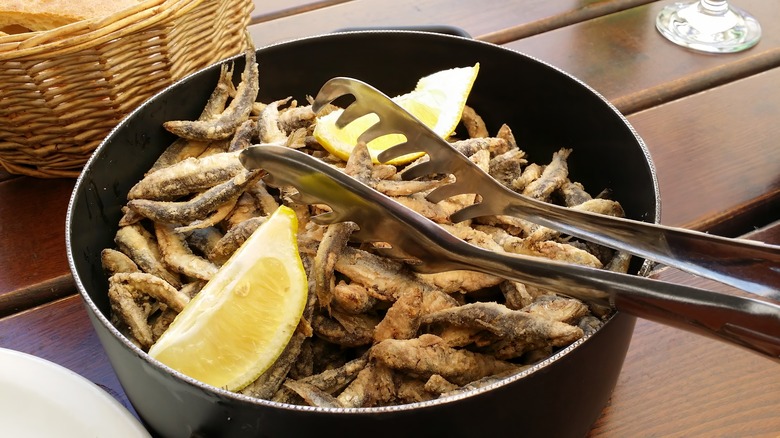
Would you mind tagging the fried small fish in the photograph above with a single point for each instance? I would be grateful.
(187, 176)
(411, 390)
(225, 124)
(114, 261)
(516, 295)
(345, 329)
(204, 239)
(331, 381)
(333, 243)
(223, 248)
(386, 278)
(402, 319)
(131, 312)
(268, 130)
(553, 176)
(507, 167)
(485, 381)
(140, 245)
(474, 124)
(530, 173)
(470, 146)
(438, 384)
(460, 281)
(215, 105)
(312, 395)
(428, 355)
(178, 151)
(143, 283)
(185, 212)
(242, 139)
(373, 386)
(516, 331)
(353, 297)
(213, 218)
(246, 207)
(557, 308)
(296, 117)
(178, 256)
(574, 193)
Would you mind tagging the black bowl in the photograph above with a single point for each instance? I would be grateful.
(546, 109)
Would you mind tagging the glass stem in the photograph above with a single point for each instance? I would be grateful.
(714, 7)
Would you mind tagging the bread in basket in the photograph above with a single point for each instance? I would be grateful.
(62, 90)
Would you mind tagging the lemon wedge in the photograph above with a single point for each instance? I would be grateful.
(239, 323)
(437, 100)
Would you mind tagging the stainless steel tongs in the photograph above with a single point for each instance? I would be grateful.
(742, 321)
(748, 265)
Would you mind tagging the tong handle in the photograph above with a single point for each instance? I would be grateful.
(748, 265)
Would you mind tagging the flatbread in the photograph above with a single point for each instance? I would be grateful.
(17, 16)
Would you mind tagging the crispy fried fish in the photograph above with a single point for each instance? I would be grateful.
(403, 318)
(516, 331)
(428, 355)
(114, 261)
(152, 285)
(140, 245)
(185, 212)
(224, 125)
(187, 176)
(178, 256)
(553, 176)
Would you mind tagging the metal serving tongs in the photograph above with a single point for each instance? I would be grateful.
(746, 322)
(748, 265)
(742, 321)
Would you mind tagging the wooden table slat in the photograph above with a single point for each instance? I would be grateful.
(271, 10)
(499, 22)
(699, 159)
(625, 58)
(32, 230)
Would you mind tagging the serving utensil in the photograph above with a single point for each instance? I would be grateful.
(747, 322)
(748, 265)
(742, 321)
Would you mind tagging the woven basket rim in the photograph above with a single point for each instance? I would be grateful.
(89, 65)
(89, 33)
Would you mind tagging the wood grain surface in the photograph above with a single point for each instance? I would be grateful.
(624, 58)
(32, 253)
(717, 155)
(675, 383)
(502, 21)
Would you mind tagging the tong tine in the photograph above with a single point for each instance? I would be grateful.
(745, 322)
(750, 266)
(394, 119)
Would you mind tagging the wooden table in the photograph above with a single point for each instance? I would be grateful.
(710, 122)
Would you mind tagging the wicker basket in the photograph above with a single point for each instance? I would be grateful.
(63, 90)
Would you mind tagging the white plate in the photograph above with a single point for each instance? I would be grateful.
(39, 398)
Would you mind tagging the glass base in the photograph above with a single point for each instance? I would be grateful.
(708, 26)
